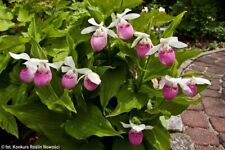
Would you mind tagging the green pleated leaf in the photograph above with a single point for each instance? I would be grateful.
(8, 122)
(37, 117)
(182, 56)
(128, 100)
(102, 10)
(169, 31)
(151, 19)
(67, 102)
(178, 105)
(155, 69)
(36, 50)
(123, 144)
(6, 24)
(53, 102)
(110, 85)
(129, 4)
(4, 59)
(158, 138)
(24, 15)
(10, 41)
(5, 13)
(90, 123)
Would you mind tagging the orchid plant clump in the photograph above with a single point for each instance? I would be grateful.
(99, 94)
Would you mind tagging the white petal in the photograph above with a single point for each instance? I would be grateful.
(124, 13)
(37, 61)
(34, 62)
(186, 80)
(154, 49)
(113, 24)
(185, 87)
(135, 42)
(138, 128)
(69, 62)
(112, 33)
(94, 77)
(148, 127)
(65, 69)
(131, 16)
(89, 29)
(174, 80)
(155, 83)
(84, 71)
(162, 83)
(169, 40)
(199, 80)
(56, 65)
(173, 41)
(32, 67)
(141, 34)
(125, 125)
(178, 44)
(93, 22)
(24, 56)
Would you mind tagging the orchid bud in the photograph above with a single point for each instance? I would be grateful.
(143, 47)
(135, 137)
(193, 91)
(26, 75)
(170, 92)
(90, 86)
(98, 40)
(167, 56)
(43, 75)
(69, 80)
(125, 30)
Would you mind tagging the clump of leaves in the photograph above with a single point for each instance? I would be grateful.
(115, 84)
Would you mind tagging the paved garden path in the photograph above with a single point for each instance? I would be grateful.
(205, 123)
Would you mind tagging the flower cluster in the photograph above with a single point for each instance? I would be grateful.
(38, 71)
(170, 87)
(144, 47)
(70, 78)
(125, 31)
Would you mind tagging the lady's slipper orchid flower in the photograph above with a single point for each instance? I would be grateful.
(189, 87)
(69, 80)
(169, 87)
(142, 44)
(99, 38)
(166, 52)
(91, 79)
(135, 134)
(124, 29)
(36, 70)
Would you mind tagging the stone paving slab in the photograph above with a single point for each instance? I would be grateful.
(205, 123)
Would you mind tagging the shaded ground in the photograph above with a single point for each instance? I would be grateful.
(205, 123)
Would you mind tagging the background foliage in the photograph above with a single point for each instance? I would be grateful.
(205, 19)
(78, 119)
